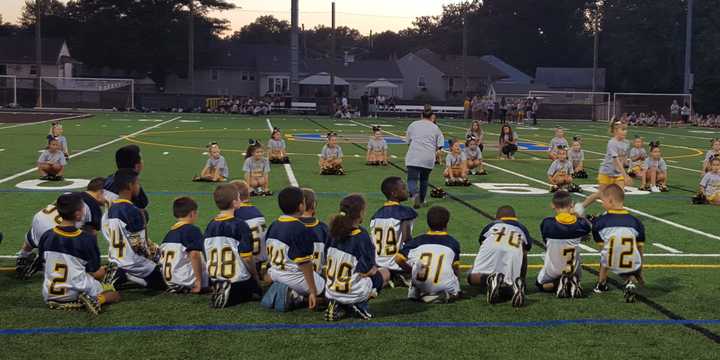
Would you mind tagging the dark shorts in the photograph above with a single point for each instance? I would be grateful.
(243, 291)
(377, 281)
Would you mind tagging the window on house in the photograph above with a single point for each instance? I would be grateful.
(33, 69)
(251, 76)
(3, 69)
(244, 76)
(421, 82)
(451, 84)
(213, 74)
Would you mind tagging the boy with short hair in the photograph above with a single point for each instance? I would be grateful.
(319, 229)
(290, 248)
(51, 163)
(391, 227)
(181, 258)
(255, 220)
(72, 263)
(48, 217)
(228, 249)
(131, 254)
(434, 261)
(501, 262)
(562, 235)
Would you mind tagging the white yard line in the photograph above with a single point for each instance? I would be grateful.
(42, 122)
(288, 169)
(587, 248)
(381, 129)
(28, 171)
(644, 255)
(667, 248)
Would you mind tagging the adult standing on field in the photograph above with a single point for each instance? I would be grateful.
(424, 138)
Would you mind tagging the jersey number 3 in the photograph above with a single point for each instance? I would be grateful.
(385, 241)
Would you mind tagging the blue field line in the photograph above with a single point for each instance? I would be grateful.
(352, 326)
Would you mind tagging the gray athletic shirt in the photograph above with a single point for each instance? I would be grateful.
(556, 142)
(615, 149)
(328, 153)
(638, 154)
(255, 166)
(710, 154)
(425, 138)
(377, 145)
(276, 144)
(710, 183)
(558, 165)
(472, 154)
(660, 164)
(576, 156)
(53, 158)
(63, 143)
(454, 160)
(219, 164)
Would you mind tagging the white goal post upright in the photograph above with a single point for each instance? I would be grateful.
(8, 83)
(648, 103)
(573, 105)
(87, 93)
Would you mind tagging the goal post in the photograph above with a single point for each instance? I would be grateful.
(87, 93)
(8, 90)
(572, 105)
(628, 103)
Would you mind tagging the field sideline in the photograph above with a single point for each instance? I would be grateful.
(677, 313)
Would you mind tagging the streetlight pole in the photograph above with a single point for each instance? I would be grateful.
(688, 48)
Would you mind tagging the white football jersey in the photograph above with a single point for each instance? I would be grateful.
(256, 221)
(620, 233)
(224, 261)
(176, 266)
(562, 235)
(502, 244)
(65, 278)
(348, 262)
(122, 227)
(43, 221)
(433, 258)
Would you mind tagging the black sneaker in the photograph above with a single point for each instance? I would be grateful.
(220, 294)
(22, 263)
(494, 282)
(58, 178)
(334, 311)
(576, 290)
(630, 292)
(518, 298)
(361, 310)
(400, 280)
(601, 288)
(91, 303)
(34, 267)
(46, 178)
(114, 276)
(563, 287)
(554, 189)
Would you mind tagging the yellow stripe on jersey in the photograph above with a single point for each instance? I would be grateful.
(313, 224)
(400, 257)
(178, 225)
(355, 232)
(566, 218)
(391, 203)
(224, 217)
(437, 233)
(246, 204)
(120, 201)
(286, 218)
(303, 259)
(456, 264)
(246, 254)
(75, 233)
(618, 212)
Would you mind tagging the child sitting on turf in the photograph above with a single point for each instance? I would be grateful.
(182, 262)
(290, 248)
(473, 154)
(562, 235)
(277, 148)
(51, 163)
(622, 238)
(228, 249)
(560, 173)
(353, 278)
(656, 170)
(257, 170)
(392, 227)
(456, 170)
(215, 169)
(501, 262)
(558, 142)
(377, 149)
(56, 131)
(132, 256)
(434, 261)
(255, 220)
(576, 155)
(319, 229)
(72, 263)
(331, 157)
(637, 156)
(713, 152)
(709, 192)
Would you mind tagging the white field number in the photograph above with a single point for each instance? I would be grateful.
(520, 189)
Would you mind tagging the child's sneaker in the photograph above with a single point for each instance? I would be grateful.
(563, 287)
(91, 303)
(664, 188)
(630, 292)
(438, 298)
(554, 188)
(576, 290)
(601, 288)
(334, 311)
(518, 298)
(220, 294)
(361, 310)
(65, 306)
(654, 189)
(494, 282)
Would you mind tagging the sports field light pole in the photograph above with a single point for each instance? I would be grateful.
(38, 49)
(688, 49)
(332, 61)
(294, 48)
(191, 46)
(596, 53)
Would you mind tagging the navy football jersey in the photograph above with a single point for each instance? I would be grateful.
(386, 230)
(227, 242)
(256, 221)
(620, 233)
(175, 253)
(111, 193)
(433, 257)
(562, 235)
(124, 229)
(322, 236)
(348, 261)
(93, 212)
(289, 243)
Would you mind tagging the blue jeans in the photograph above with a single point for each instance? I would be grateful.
(418, 174)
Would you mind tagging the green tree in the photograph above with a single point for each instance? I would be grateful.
(264, 30)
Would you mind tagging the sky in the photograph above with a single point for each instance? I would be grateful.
(364, 15)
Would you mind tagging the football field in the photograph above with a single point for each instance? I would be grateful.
(677, 313)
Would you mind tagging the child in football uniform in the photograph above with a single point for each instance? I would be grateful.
(128, 157)
(612, 170)
(48, 217)
(558, 142)
(228, 251)
(562, 235)
(710, 183)
(637, 157)
(255, 220)
(291, 251)
(456, 170)
(277, 148)
(656, 174)
(319, 229)
(257, 170)
(353, 278)
(181, 252)
(434, 261)
(133, 257)
(392, 227)
(713, 152)
(72, 263)
(51, 163)
(576, 155)
(377, 148)
(216, 169)
(560, 173)
(331, 157)
(473, 154)
(501, 262)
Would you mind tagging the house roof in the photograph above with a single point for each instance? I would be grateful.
(21, 50)
(514, 75)
(452, 65)
(245, 56)
(569, 78)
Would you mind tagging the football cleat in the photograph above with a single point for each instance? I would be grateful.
(114, 276)
(65, 306)
(601, 288)
(574, 188)
(664, 188)
(34, 267)
(90, 303)
(554, 189)
(220, 294)
(576, 290)
(398, 279)
(494, 283)
(334, 311)
(518, 298)
(563, 287)
(177, 289)
(22, 263)
(438, 298)
(361, 310)
(630, 292)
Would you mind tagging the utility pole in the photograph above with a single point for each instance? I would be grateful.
(464, 55)
(332, 62)
(294, 49)
(38, 48)
(688, 48)
(596, 54)
(191, 46)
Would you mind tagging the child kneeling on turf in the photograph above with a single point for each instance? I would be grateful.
(557, 143)
(377, 149)
(290, 249)
(72, 263)
(331, 157)
(434, 261)
(215, 169)
(560, 173)
(637, 157)
(228, 249)
(576, 155)
(709, 192)
(656, 174)
(562, 235)
(456, 170)
(277, 148)
(473, 155)
(713, 152)
(182, 262)
(257, 170)
(501, 263)
(352, 276)
(51, 163)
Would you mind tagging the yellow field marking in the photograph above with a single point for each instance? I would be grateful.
(645, 266)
